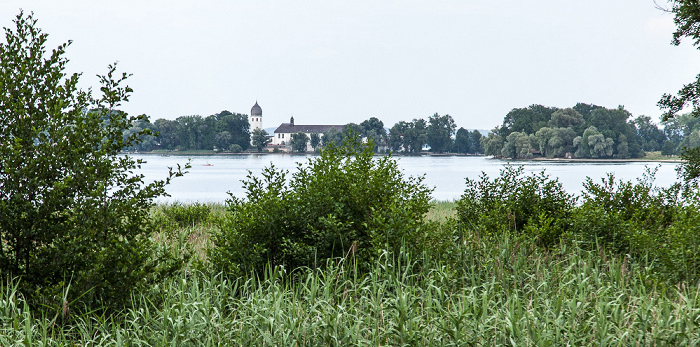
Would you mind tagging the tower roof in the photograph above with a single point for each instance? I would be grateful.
(256, 110)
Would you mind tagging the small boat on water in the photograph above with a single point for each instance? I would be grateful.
(207, 164)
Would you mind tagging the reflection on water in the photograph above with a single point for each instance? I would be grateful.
(210, 183)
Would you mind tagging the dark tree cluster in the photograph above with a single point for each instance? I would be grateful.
(439, 134)
(224, 131)
(584, 131)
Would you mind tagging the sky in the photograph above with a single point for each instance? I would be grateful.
(339, 61)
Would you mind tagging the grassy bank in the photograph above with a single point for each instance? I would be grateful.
(494, 292)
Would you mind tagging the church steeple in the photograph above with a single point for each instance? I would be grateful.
(291, 121)
(256, 117)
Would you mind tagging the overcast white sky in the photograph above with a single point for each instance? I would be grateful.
(328, 62)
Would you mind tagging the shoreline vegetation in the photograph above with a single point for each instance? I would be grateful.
(649, 157)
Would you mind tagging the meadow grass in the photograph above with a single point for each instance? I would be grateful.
(441, 211)
(496, 292)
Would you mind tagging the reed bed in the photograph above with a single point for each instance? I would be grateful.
(502, 295)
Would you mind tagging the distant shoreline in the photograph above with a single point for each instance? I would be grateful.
(549, 160)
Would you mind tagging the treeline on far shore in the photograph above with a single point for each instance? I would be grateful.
(582, 131)
(230, 132)
(587, 131)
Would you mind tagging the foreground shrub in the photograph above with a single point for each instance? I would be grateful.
(342, 203)
(613, 212)
(534, 206)
(658, 227)
(71, 211)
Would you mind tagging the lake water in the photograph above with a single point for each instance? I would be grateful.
(212, 177)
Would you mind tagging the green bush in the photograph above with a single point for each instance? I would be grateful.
(534, 206)
(342, 203)
(676, 250)
(614, 213)
(658, 227)
(72, 213)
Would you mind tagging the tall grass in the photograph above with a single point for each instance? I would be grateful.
(499, 293)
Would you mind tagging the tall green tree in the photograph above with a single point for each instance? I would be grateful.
(439, 132)
(315, 140)
(415, 135)
(463, 142)
(476, 137)
(517, 146)
(71, 211)
(260, 139)
(651, 136)
(299, 141)
(493, 143)
(332, 136)
(566, 118)
(396, 134)
(527, 120)
(373, 130)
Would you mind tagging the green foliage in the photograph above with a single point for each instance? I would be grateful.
(668, 148)
(593, 144)
(555, 142)
(71, 211)
(315, 140)
(527, 120)
(652, 138)
(534, 206)
(342, 202)
(373, 130)
(463, 143)
(409, 137)
(690, 170)
(332, 136)
(687, 20)
(517, 146)
(616, 213)
(184, 215)
(235, 148)
(493, 143)
(590, 130)
(566, 118)
(439, 133)
(260, 139)
(299, 142)
(219, 130)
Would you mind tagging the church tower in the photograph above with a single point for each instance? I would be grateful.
(255, 117)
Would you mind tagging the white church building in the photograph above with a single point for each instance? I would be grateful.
(283, 134)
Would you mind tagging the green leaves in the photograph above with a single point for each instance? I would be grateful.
(344, 199)
(70, 206)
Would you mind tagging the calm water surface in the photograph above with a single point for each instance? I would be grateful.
(212, 177)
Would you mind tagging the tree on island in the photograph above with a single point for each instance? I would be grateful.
(439, 132)
(260, 139)
(315, 140)
(299, 141)
(463, 142)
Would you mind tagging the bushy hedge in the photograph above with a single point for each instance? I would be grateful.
(534, 206)
(344, 203)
